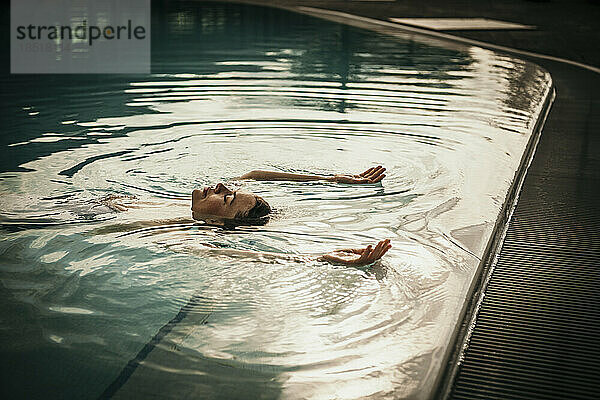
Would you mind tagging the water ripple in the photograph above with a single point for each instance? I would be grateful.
(83, 280)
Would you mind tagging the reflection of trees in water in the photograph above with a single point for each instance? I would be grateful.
(196, 33)
(523, 89)
(329, 53)
(347, 54)
(343, 54)
(206, 34)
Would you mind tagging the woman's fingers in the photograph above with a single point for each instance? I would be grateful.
(375, 171)
(374, 175)
(367, 171)
(372, 256)
(371, 171)
(379, 249)
(365, 255)
(378, 179)
(382, 248)
(385, 250)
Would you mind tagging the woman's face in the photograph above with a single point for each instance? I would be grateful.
(220, 202)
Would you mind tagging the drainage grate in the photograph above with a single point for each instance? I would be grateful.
(536, 333)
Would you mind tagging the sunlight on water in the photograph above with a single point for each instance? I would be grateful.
(87, 286)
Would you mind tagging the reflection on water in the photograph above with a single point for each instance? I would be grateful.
(235, 88)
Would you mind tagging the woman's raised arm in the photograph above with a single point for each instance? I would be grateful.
(372, 175)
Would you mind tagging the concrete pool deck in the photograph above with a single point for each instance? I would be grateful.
(534, 334)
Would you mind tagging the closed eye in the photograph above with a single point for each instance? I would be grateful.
(229, 195)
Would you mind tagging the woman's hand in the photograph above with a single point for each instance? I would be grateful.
(372, 175)
(358, 257)
(119, 202)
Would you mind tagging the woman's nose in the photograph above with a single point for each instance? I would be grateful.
(220, 188)
(196, 194)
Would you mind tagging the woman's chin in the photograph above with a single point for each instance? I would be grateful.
(208, 219)
(214, 221)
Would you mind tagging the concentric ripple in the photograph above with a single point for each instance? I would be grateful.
(87, 286)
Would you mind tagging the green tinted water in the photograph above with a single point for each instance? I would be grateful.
(233, 89)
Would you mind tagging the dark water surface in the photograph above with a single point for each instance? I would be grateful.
(235, 88)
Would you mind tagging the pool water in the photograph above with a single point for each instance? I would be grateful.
(235, 88)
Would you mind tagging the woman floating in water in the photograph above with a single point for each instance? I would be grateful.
(221, 206)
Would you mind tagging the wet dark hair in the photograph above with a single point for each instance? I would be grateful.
(257, 215)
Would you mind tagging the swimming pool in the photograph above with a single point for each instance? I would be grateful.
(235, 88)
